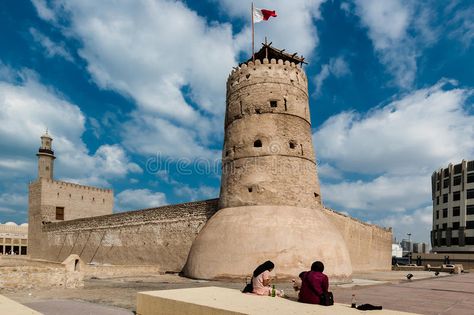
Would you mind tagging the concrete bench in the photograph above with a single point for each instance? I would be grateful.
(223, 301)
(11, 307)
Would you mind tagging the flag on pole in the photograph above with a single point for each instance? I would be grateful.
(260, 15)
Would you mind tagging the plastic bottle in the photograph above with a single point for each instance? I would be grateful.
(273, 291)
(353, 301)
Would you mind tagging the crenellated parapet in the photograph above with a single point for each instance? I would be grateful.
(284, 70)
(64, 185)
(282, 88)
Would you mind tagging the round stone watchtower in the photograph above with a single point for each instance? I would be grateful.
(270, 204)
(268, 156)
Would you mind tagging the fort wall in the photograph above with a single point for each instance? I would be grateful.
(369, 245)
(158, 236)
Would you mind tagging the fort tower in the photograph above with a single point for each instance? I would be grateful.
(50, 200)
(45, 157)
(270, 202)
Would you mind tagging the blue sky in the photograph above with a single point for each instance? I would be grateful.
(134, 95)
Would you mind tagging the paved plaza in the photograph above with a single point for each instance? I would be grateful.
(425, 294)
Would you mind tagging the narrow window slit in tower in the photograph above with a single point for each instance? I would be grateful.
(302, 152)
(316, 195)
(227, 152)
(241, 109)
(292, 144)
(247, 76)
(250, 189)
(285, 104)
(273, 103)
(257, 144)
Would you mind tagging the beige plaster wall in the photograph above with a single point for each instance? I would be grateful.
(78, 201)
(370, 246)
(159, 236)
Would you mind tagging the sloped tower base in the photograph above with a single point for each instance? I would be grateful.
(235, 240)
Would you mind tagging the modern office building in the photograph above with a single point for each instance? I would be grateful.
(419, 248)
(453, 208)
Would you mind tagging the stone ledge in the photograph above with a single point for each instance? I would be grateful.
(11, 307)
(224, 301)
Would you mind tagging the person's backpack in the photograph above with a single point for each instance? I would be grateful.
(248, 287)
(326, 299)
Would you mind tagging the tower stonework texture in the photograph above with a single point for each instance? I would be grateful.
(268, 156)
(270, 202)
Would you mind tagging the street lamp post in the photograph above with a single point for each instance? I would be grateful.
(409, 248)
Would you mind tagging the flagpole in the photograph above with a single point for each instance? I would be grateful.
(253, 36)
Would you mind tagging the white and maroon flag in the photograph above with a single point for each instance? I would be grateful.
(260, 15)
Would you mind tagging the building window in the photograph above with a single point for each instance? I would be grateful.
(59, 213)
(469, 224)
(470, 178)
(437, 200)
(470, 194)
(457, 181)
(446, 183)
(469, 240)
(455, 225)
(437, 186)
(446, 172)
(445, 226)
(443, 242)
(437, 214)
(437, 227)
(445, 213)
(292, 144)
(257, 144)
(456, 211)
(457, 168)
(454, 241)
(273, 103)
(456, 195)
(470, 166)
(445, 198)
(470, 209)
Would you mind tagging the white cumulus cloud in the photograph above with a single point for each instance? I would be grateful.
(394, 149)
(338, 67)
(27, 109)
(133, 199)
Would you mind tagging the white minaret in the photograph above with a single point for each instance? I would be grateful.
(45, 157)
